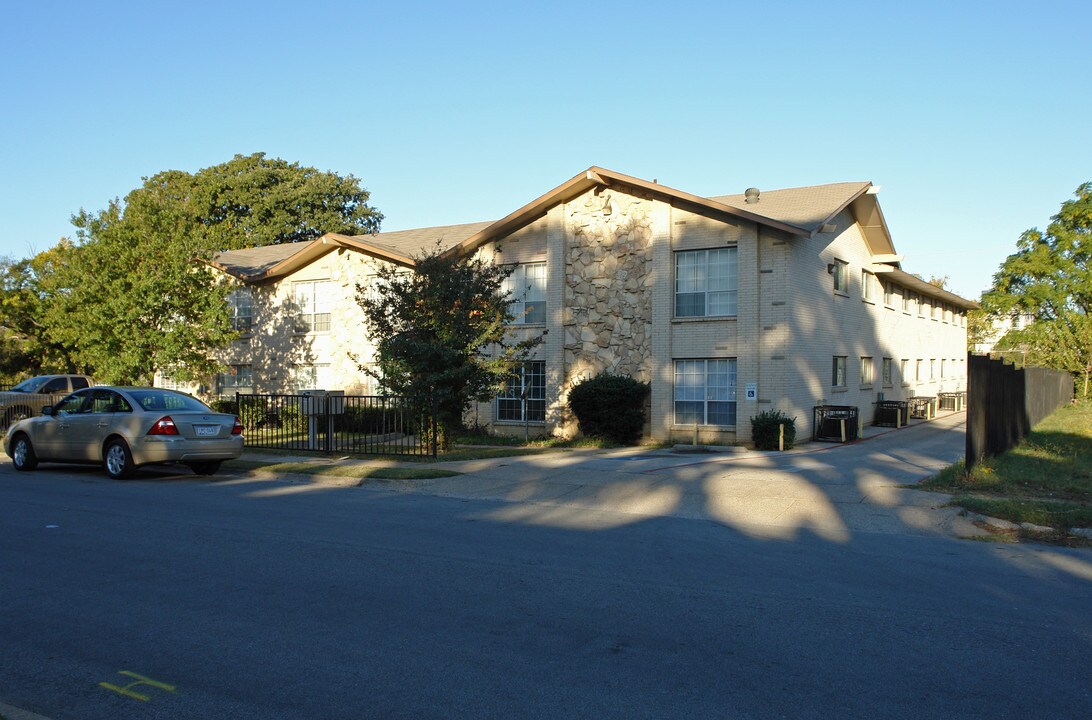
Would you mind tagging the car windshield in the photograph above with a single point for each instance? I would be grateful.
(155, 399)
(29, 385)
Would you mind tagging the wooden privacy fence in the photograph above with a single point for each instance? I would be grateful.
(332, 422)
(1005, 402)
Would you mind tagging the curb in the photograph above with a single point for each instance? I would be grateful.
(997, 524)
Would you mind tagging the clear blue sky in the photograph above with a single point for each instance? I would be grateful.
(974, 117)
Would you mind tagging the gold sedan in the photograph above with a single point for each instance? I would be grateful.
(126, 427)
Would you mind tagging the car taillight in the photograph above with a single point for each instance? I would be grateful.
(237, 428)
(165, 426)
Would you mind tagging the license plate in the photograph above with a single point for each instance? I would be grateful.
(206, 430)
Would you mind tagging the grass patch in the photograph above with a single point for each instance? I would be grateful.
(1057, 514)
(1045, 480)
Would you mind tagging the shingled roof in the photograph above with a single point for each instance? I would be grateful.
(796, 211)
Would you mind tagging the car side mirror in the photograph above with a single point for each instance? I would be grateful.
(47, 410)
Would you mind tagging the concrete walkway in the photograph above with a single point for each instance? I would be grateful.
(829, 490)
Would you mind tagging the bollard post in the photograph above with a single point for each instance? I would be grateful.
(695, 433)
(781, 438)
(842, 424)
(860, 426)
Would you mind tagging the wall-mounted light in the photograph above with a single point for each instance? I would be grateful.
(830, 268)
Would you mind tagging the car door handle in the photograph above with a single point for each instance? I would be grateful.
(64, 426)
(103, 424)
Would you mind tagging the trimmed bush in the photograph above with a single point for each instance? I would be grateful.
(611, 407)
(765, 429)
(223, 405)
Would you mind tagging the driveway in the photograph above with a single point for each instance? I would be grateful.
(827, 490)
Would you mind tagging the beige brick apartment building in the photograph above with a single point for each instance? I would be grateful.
(728, 305)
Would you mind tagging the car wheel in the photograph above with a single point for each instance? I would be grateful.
(205, 468)
(22, 453)
(117, 460)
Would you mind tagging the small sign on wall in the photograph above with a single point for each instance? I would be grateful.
(752, 392)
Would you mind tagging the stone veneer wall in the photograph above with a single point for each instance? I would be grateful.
(607, 315)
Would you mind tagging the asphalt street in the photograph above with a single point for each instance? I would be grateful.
(251, 598)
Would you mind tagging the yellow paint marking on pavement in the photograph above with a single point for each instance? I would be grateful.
(128, 691)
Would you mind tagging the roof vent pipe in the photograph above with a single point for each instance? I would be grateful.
(751, 196)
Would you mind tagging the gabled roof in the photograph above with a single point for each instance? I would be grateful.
(804, 207)
(800, 212)
(264, 264)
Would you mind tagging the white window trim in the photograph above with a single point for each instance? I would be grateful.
(732, 290)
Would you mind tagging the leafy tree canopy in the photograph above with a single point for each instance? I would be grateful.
(1049, 277)
(440, 333)
(127, 298)
(26, 287)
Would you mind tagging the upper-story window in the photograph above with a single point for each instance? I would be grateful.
(839, 271)
(313, 302)
(905, 300)
(527, 293)
(868, 284)
(888, 293)
(706, 283)
(241, 306)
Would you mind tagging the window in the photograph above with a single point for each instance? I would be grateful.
(54, 386)
(73, 403)
(867, 368)
(943, 367)
(310, 377)
(905, 300)
(705, 283)
(838, 372)
(840, 271)
(236, 377)
(527, 288)
(868, 280)
(885, 372)
(904, 369)
(241, 306)
(523, 398)
(918, 369)
(170, 383)
(921, 304)
(888, 294)
(932, 369)
(108, 401)
(705, 392)
(933, 308)
(313, 301)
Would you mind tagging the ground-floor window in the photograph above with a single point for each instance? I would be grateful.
(310, 377)
(236, 377)
(705, 392)
(523, 398)
(838, 371)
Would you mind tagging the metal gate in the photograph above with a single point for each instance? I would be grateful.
(335, 423)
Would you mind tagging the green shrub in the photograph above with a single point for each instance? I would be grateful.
(765, 428)
(610, 406)
(223, 405)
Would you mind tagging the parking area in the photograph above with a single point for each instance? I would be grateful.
(830, 490)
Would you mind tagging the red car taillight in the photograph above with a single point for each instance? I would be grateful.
(165, 426)
(237, 428)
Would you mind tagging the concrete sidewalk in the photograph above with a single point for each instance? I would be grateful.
(829, 490)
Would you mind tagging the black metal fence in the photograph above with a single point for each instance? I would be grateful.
(1005, 402)
(365, 424)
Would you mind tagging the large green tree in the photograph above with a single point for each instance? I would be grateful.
(27, 290)
(130, 299)
(1050, 277)
(441, 333)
